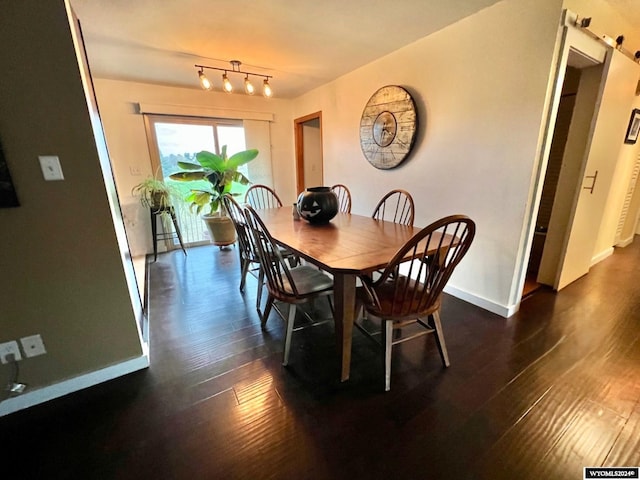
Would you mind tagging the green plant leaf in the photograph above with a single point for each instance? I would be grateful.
(211, 161)
(188, 176)
(189, 166)
(240, 178)
(241, 158)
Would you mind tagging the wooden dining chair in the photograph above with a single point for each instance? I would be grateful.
(344, 197)
(292, 285)
(409, 291)
(261, 196)
(249, 261)
(396, 206)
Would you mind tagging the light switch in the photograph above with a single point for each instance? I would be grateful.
(51, 169)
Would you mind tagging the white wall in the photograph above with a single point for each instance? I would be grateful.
(129, 152)
(481, 87)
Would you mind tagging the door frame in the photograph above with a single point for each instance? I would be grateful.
(298, 125)
(570, 38)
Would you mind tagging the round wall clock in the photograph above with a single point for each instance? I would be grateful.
(388, 127)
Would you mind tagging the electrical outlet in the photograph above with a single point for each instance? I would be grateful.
(9, 348)
(33, 346)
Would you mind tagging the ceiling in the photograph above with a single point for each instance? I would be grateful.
(303, 43)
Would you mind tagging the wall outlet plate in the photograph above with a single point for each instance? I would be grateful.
(51, 168)
(33, 346)
(9, 348)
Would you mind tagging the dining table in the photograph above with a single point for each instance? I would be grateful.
(346, 247)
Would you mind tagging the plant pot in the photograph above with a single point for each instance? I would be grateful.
(221, 229)
(318, 205)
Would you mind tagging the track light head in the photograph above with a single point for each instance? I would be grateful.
(226, 84)
(266, 88)
(204, 81)
(248, 86)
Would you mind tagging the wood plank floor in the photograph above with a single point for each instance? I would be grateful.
(541, 395)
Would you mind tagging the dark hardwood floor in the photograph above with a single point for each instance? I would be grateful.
(540, 395)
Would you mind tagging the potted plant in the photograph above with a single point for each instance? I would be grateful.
(154, 194)
(221, 172)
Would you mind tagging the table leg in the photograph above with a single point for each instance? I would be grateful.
(345, 306)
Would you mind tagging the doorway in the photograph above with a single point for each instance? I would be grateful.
(581, 74)
(309, 159)
(550, 186)
(585, 213)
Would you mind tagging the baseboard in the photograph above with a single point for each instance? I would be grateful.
(601, 256)
(75, 384)
(626, 242)
(493, 307)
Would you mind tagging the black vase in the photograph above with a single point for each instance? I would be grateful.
(318, 205)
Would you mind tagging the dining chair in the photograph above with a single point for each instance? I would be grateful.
(261, 196)
(249, 261)
(396, 206)
(291, 285)
(344, 197)
(409, 291)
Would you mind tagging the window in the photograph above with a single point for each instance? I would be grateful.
(175, 139)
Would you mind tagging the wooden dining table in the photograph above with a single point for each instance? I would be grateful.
(348, 246)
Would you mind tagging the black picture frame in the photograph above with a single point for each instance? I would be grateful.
(8, 197)
(634, 127)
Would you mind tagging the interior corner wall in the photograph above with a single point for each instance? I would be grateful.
(129, 151)
(62, 274)
(481, 88)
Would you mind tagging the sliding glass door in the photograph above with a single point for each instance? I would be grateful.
(177, 139)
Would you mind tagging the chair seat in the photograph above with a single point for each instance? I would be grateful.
(394, 305)
(308, 280)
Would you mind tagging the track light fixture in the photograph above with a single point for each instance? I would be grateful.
(227, 86)
(619, 41)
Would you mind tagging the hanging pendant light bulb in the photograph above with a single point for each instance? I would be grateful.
(204, 81)
(266, 88)
(226, 84)
(248, 86)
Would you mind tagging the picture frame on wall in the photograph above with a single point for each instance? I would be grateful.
(8, 197)
(634, 127)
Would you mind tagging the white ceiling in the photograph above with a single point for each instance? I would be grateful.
(302, 43)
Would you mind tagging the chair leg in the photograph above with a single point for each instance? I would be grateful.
(260, 286)
(440, 338)
(289, 334)
(267, 311)
(245, 264)
(388, 343)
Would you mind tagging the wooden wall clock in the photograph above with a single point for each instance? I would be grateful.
(388, 127)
